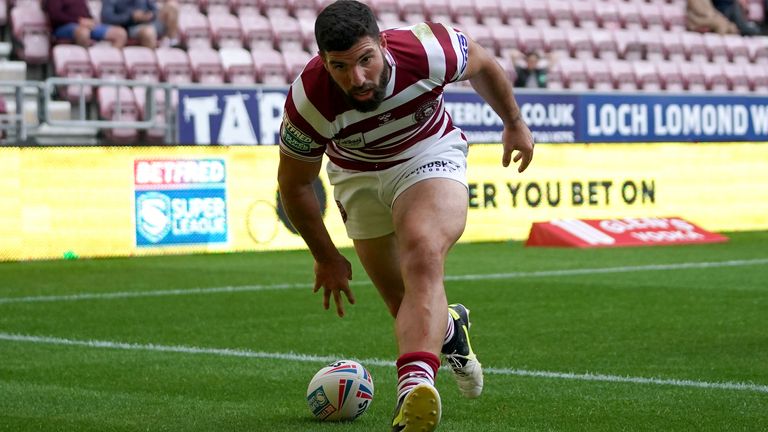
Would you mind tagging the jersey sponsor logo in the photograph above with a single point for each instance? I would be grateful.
(425, 111)
(422, 32)
(352, 142)
(294, 138)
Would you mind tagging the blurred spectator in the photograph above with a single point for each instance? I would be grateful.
(736, 12)
(531, 71)
(701, 16)
(143, 20)
(71, 20)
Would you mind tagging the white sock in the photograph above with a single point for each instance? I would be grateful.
(449, 331)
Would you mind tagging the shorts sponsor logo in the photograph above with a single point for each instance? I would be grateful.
(433, 167)
(294, 138)
(342, 211)
(425, 111)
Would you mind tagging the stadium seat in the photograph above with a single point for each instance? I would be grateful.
(607, 14)
(257, 31)
(671, 77)
(211, 7)
(695, 81)
(482, 35)
(153, 135)
(650, 14)
(29, 29)
(270, 67)
(758, 49)
(737, 48)
(225, 30)
(604, 44)
(630, 16)
(276, 8)
(716, 49)
(141, 63)
(556, 42)
(574, 73)
(462, 11)
(514, 13)
(307, 26)
(505, 40)
(194, 29)
(695, 48)
(623, 75)
(715, 78)
(738, 80)
(560, 14)
(584, 14)
(529, 39)
(305, 9)
(247, 7)
(758, 78)
(627, 45)
(599, 76)
(673, 15)
(387, 9)
(206, 66)
(580, 44)
(72, 61)
(287, 33)
(651, 44)
(536, 13)
(174, 65)
(238, 65)
(437, 11)
(295, 61)
(646, 76)
(107, 62)
(674, 48)
(490, 12)
(118, 106)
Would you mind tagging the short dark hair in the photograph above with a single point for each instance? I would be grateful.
(342, 23)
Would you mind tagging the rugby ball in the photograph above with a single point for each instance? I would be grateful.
(341, 391)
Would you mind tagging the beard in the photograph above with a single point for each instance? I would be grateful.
(377, 97)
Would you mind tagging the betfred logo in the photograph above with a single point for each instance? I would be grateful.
(619, 232)
(179, 172)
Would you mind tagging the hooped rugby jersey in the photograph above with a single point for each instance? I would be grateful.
(318, 119)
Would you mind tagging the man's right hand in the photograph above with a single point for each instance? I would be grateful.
(333, 276)
(142, 16)
(87, 23)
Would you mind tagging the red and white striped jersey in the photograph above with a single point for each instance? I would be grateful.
(423, 59)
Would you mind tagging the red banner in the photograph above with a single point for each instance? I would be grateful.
(584, 233)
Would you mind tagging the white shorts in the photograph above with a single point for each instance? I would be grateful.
(365, 198)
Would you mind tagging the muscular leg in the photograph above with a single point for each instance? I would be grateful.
(381, 261)
(429, 217)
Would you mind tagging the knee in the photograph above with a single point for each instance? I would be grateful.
(148, 36)
(118, 36)
(82, 36)
(422, 255)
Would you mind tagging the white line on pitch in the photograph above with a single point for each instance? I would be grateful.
(307, 358)
(469, 277)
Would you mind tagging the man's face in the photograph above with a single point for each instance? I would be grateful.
(361, 72)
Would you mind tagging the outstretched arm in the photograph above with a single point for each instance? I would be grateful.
(332, 270)
(490, 82)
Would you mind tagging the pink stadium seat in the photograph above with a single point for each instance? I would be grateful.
(489, 12)
(556, 42)
(627, 45)
(295, 61)
(529, 39)
(584, 13)
(671, 77)
(225, 30)
(194, 29)
(674, 48)
(673, 15)
(107, 62)
(560, 14)
(287, 33)
(238, 65)
(174, 65)
(505, 39)
(514, 13)
(536, 13)
(630, 16)
(646, 76)
(257, 31)
(604, 44)
(387, 9)
(118, 106)
(270, 67)
(211, 7)
(308, 33)
(623, 75)
(29, 29)
(305, 9)
(276, 8)
(482, 35)
(758, 77)
(574, 72)
(141, 63)
(716, 49)
(608, 14)
(599, 76)
(715, 77)
(72, 61)
(738, 80)
(650, 13)
(556, 79)
(737, 48)
(246, 7)
(695, 48)
(437, 11)
(652, 45)
(758, 49)
(580, 44)
(695, 81)
(462, 11)
(153, 135)
(206, 66)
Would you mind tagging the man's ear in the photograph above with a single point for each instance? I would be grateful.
(322, 57)
(383, 40)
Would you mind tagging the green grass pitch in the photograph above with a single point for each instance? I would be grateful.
(641, 339)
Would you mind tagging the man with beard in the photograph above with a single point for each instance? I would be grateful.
(373, 103)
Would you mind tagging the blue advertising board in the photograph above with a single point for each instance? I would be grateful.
(227, 116)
